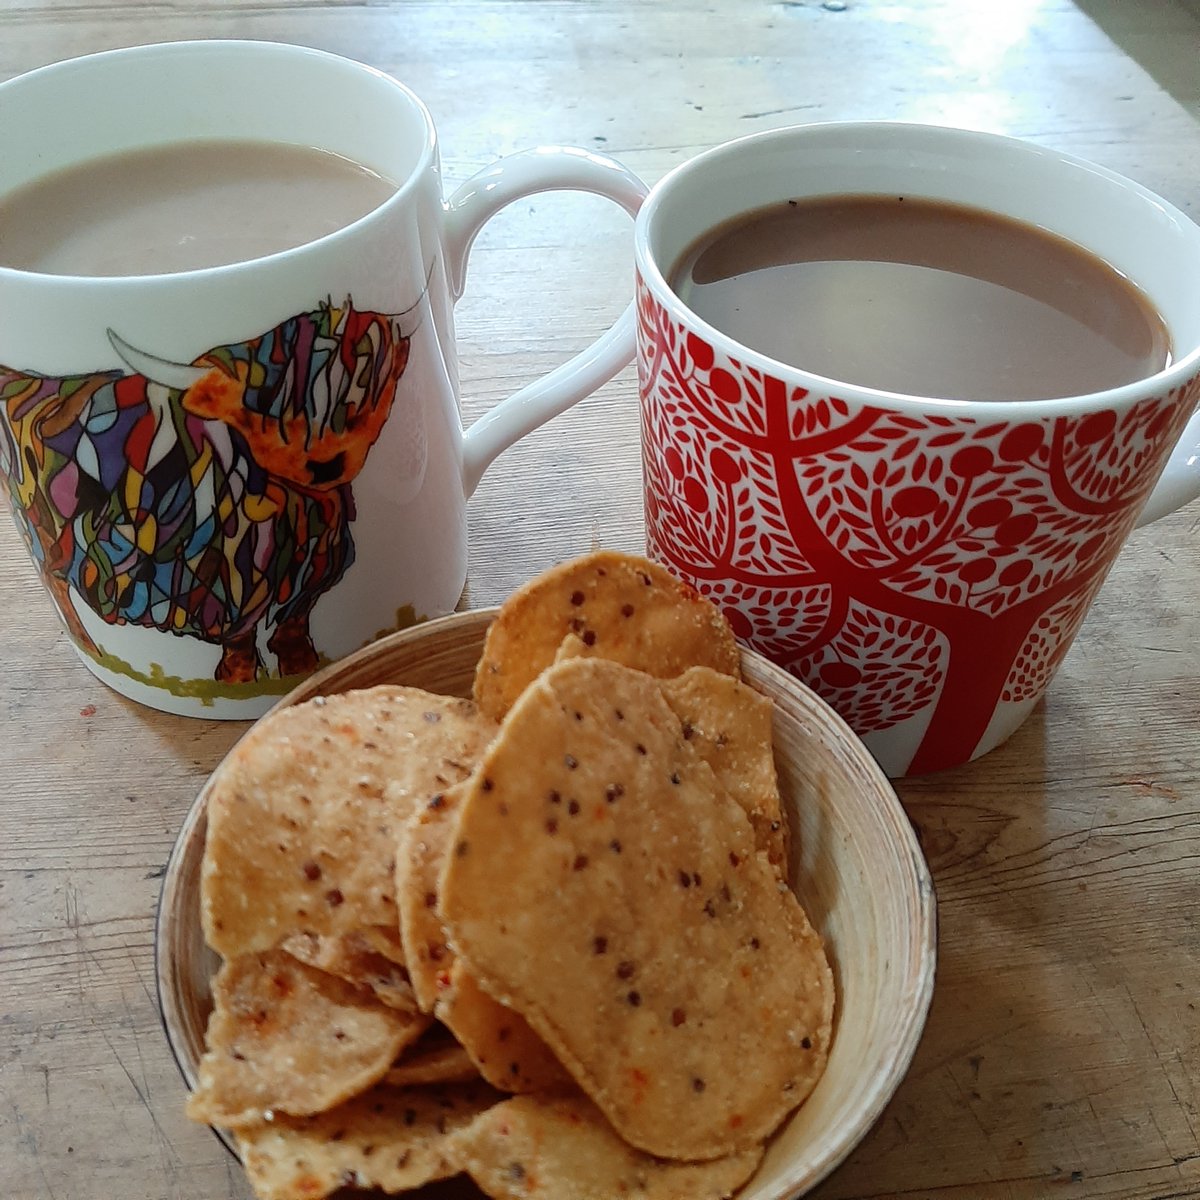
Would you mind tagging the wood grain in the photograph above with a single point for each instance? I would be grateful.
(1063, 1050)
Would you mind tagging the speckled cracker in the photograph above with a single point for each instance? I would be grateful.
(436, 1058)
(304, 813)
(389, 1138)
(729, 726)
(385, 940)
(507, 1053)
(607, 888)
(421, 853)
(285, 1037)
(353, 957)
(500, 1044)
(562, 1148)
(621, 607)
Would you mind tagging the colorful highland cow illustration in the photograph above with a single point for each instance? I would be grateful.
(208, 499)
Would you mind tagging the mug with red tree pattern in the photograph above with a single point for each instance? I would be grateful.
(923, 564)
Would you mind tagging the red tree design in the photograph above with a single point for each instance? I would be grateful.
(890, 561)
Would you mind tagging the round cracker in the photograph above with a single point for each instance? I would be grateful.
(607, 888)
(729, 726)
(284, 1036)
(353, 957)
(389, 1138)
(436, 1058)
(621, 607)
(500, 1042)
(562, 1148)
(304, 814)
(420, 856)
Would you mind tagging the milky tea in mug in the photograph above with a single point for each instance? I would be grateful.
(905, 391)
(182, 206)
(923, 298)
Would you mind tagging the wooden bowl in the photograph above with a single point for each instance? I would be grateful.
(857, 870)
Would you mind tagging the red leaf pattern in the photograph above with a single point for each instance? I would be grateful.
(892, 561)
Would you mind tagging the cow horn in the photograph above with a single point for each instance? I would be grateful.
(413, 317)
(179, 376)
(409, 322)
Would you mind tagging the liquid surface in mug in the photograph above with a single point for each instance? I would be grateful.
(182, 207)
(922, 298)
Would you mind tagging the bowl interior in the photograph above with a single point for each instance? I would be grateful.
(856, 868)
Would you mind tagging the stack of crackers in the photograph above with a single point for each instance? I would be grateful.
(544, 937)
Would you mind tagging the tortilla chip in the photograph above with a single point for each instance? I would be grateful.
(498, 1042)
(285, 1037)
(562, 1148)
(622, 608)
(385, 940)
(390, 1138)
(506, 1052)
(729, 726)
(608, 889)
(423, 843)
(441, 1060)
(352, 957)
(304, 813)
(572, 646)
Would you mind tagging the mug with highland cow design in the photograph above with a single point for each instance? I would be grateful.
(233, 447)
(922, 556)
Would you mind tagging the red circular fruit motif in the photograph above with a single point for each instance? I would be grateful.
(971, 461)
(990, 512)
(894, 561)
(700, 350)
(1020, 442)
(724, 466)
(1095, 428)
(840, 674)
(1016, 529)
(695, 494)
(724, 386)
(739, 623)
(915, 501)
(977, 570)
(1015, 572)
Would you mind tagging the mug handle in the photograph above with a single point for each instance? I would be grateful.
(1180, 480)
(548, 168)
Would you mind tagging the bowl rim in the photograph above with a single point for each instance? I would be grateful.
(908, 1030)
(922, 947)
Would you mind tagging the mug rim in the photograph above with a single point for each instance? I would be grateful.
(213, 46)
(652, 275)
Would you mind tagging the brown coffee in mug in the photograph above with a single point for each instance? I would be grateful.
(922, 298)
(183, 206)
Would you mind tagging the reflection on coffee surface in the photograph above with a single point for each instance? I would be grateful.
(183, 206)
(923, 298)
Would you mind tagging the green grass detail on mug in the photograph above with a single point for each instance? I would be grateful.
(204, 690)
(406, 618)
(268, 684)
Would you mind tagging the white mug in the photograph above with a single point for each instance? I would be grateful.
(921, 562)
(204, 554)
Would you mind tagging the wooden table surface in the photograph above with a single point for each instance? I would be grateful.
(1062, 1053)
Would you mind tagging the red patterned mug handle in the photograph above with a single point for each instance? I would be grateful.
(1180, 480)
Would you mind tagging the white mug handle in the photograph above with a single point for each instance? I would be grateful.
(548, 168)
(1180, 480)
